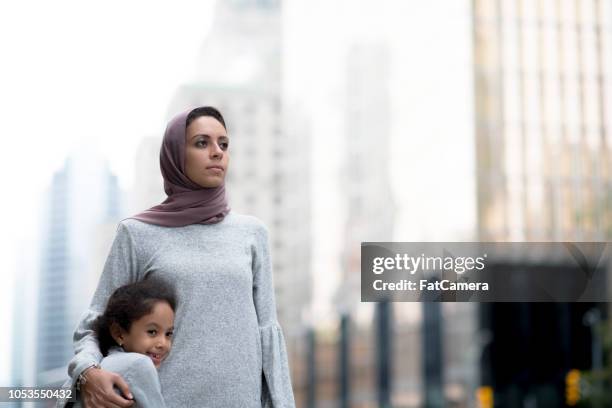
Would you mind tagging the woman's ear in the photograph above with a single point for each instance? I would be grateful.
(116, 333)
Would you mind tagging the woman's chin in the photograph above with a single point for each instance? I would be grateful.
(211, 183)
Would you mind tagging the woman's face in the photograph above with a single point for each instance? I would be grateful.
(150, 335)
(206, 152)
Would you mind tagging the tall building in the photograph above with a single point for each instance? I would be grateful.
(82, 195)
(366, 176)
(543, 149)
(543, 94)
(370, 208)
(239, 72)
(24, 318)
(371, 216)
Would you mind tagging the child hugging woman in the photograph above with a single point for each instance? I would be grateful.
(230, 352)
(135, 335)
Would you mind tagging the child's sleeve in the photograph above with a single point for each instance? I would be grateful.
(121, 268)
(143, 380)
(277, 391)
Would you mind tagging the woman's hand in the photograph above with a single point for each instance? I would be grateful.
(98, 390)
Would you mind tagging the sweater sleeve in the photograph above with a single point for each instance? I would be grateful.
(120, 269)
(277, 391)
(144, 384)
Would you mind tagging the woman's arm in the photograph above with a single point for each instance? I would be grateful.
(121, 268)
(277, 391)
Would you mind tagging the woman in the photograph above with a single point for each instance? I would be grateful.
(229, 350)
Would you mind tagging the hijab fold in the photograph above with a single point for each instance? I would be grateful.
(187, 203)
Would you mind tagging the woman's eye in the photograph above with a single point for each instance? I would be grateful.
(201, 143)
(224, 146)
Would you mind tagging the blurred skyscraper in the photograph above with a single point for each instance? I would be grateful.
(24, 316)
(543, 149)
(239, 72)
(82, 195)
(365, 179)
(543, 100)
(370, 209)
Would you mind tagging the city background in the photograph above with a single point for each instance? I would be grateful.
(351, 121)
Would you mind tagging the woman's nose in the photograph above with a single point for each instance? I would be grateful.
(216, 151)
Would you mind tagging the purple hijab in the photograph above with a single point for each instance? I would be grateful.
(187, 203)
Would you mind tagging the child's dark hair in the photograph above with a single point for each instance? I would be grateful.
(129, 303)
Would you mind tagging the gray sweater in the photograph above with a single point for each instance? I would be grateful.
(138, 371)
(228, 349)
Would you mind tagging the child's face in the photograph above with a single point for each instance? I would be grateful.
(151, 334)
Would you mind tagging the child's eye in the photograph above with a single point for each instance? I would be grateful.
(152, 332)
(170, 334)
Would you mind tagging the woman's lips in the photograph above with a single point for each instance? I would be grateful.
(215, 168)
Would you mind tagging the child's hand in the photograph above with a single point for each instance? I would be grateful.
(99, 390)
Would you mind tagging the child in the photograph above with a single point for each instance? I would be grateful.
(135, 335)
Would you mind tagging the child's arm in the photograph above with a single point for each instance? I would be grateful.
(144, 383)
